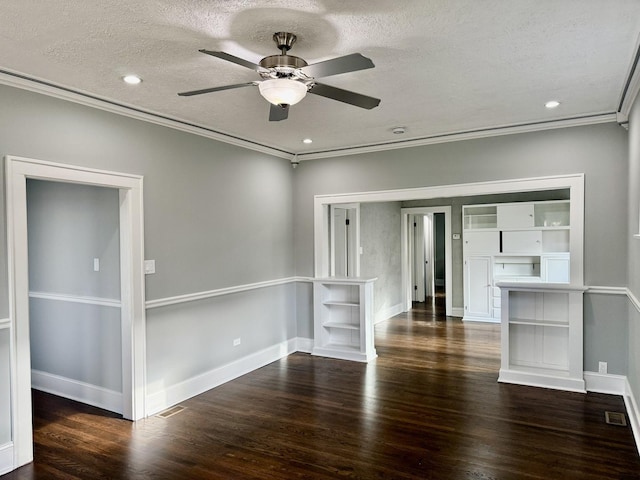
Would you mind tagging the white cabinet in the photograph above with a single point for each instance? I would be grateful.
(555, 268)
(481, 242)
(478, 289)
(524, 242)
(515, 215)
(542, 335)
(343, 318)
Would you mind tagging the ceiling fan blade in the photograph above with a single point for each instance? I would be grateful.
(335, 66)
(346, 96)
(277, 113)
(214, 89)
(232, 58)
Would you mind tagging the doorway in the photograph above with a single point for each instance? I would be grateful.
(427, 263)
(74, 292)
(18, 170)
(428, 257)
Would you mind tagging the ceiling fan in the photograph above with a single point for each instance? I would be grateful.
(287, 79)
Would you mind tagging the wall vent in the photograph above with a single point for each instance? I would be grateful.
(615, 418)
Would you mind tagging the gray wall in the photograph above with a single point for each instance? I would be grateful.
(598, 151)
(633, 247)
(216, 216)
(68, 226)
(380, 225)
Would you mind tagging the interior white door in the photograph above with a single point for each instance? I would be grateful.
(429, 255)
(418, 259)
(477, 288)
(344, 241)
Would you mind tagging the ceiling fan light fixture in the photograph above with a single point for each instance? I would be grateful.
(282, 91)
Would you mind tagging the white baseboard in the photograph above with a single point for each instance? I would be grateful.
(6, 458)
(632, 412)
(304, 345)
(541, 380)
(174, 394)
(605, 383)
(457, 312)
(387, 313)
(75, 390)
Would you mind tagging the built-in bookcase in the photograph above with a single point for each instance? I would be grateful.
(343, 321)
(542, 335)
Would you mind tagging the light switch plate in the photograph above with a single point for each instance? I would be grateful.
(149, 267)
(456, 236)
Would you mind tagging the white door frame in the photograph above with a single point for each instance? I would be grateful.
(574, 182)
(132, 284)
(406, 261)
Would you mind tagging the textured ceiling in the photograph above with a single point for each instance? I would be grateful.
(442, 66)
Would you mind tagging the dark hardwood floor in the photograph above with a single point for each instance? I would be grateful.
(428, 408)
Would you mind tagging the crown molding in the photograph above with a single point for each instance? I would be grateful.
(18, 80)
(632, 85)
(467, 135)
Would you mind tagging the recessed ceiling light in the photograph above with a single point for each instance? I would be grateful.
(132, 79)
(307, 140)
(552, 104)
(399, 130)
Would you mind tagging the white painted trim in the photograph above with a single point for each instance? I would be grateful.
(191, 297)
(607, 290)
(609, 384)
(131, 111)
(132, 283)
(405, 265)
(633, 77)
(75, 390)
(389, 312)
(61, 297)
(173, 394)
(632, 412)
(575, 182)
(457, 312)
(594, 119)
(6, 458)
(5, 323)
(304, 345)
(634, 300)
(541, 380)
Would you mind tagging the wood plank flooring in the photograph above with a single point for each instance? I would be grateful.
(428, 408)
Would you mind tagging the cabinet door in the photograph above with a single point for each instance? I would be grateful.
(477, 288)
(481, 242)
(515, 216)
(524, 241)
(555, 269)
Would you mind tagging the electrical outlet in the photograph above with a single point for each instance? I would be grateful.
(96, 264)
(602, 367)
(236, 342)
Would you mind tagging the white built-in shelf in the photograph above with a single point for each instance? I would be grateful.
(542, 335)
(521, 241)
(519, 321)
(343, 304)
(343, 318)
(346, 326)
